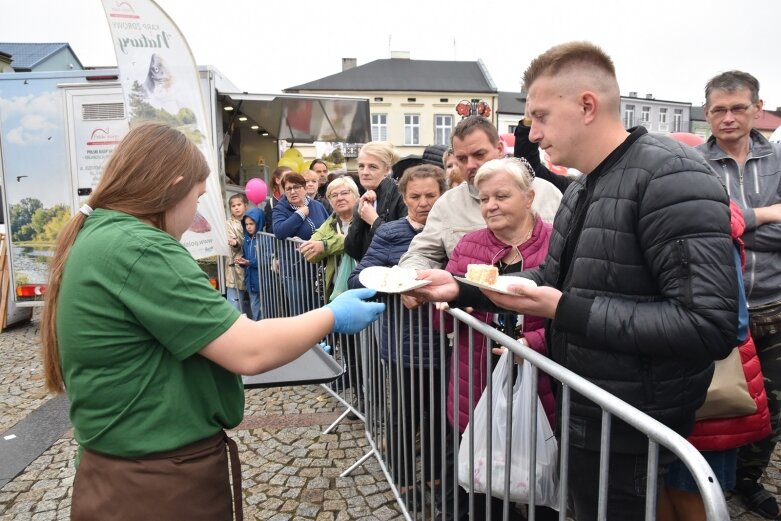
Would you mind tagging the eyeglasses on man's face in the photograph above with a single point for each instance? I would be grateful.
(295, 188)
(737, 110)
(337, 195)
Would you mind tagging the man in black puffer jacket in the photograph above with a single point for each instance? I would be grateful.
(639, 282)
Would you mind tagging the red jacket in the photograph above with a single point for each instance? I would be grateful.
(482, 247)
(717, 434)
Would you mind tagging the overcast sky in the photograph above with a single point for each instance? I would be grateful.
(666, 47)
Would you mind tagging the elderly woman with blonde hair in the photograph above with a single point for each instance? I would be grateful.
(515, 239)
(381, 202)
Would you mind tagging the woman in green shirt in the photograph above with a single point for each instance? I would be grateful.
(147, 351)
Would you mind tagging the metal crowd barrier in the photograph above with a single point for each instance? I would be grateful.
(403, 403)
(290, 286)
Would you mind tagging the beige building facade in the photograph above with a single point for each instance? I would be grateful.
(412, 102)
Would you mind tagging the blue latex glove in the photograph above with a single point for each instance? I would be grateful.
(351, 313)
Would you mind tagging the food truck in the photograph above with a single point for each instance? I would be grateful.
(58, 128)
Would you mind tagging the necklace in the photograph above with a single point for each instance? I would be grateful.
(528, 235)
(513, 260)
(503, 264)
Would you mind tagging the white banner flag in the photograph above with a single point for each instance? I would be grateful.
(161, 83)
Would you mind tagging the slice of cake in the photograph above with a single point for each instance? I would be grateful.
(482, 273)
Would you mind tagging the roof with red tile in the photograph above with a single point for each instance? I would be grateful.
(768, 120)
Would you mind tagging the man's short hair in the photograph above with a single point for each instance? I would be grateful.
(317, 162)
(565, 56)
(731, 81)
(472, 123)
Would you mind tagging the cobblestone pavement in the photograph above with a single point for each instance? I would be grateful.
(290, 469)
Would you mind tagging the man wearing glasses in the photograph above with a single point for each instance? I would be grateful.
(750, 167)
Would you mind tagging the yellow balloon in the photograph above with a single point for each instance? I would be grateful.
(303, 165)
(293, 153)
(288, 162)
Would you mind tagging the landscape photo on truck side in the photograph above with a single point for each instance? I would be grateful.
(34, 231)
(35, 174)
(184, 119)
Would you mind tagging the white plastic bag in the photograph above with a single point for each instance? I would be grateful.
(547, 471)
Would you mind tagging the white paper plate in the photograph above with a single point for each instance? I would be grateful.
(502, 283)
(390, 280)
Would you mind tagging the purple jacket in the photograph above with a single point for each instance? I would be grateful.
(482, 247)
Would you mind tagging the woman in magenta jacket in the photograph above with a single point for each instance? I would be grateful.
(515, 239)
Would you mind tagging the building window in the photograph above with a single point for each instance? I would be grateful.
(443, 127)
(511, 128)
(645, 115)
(629, 116)
(663, 116)
(379, 127)
(677, 120)
(411, 129)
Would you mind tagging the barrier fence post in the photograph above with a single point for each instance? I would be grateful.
(409, 439)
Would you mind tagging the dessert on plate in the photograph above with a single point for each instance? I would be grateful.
(482, 273)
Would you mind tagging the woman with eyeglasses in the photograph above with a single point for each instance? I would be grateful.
(296, 217)
(328, 240)
(380, 203)
(515, 239)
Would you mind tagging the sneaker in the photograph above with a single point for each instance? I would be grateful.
(757, 499)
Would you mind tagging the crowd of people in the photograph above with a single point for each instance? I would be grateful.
(655, 262)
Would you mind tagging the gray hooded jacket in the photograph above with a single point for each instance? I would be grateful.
(756, 185)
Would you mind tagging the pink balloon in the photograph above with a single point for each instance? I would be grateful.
(256, 190)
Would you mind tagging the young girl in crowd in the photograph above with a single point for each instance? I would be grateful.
(234, 275)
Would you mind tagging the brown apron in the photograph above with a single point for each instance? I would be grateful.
(189, 483)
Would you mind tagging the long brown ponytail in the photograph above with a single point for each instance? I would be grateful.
(139, 179)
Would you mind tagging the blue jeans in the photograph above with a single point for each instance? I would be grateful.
(254, 301)
(627, 477)
(235, 297)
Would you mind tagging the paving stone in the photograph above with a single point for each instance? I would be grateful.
(319, 482)
(45, 506)
(308, 509)
(49, 515)
(309, 472)
(312, 495)
(289, 506)
(290, 469)
(334, 504)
